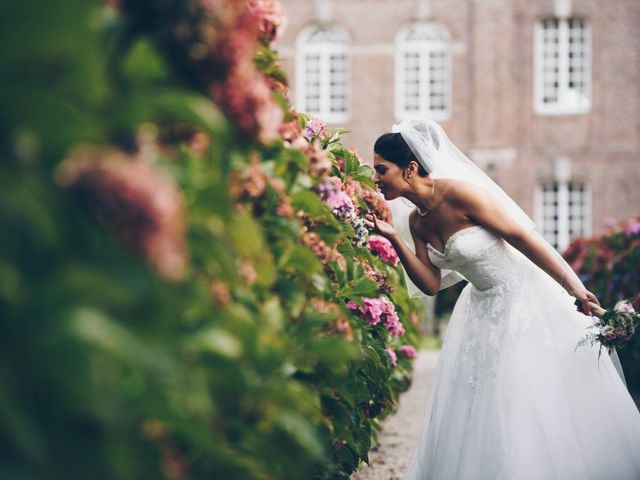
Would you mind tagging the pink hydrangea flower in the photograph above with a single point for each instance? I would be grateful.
(379, 310)
(408, 351)
(393, 358)
(383, 248)
(270, 18)
(395, 328)
(351, 305)
(143, 206)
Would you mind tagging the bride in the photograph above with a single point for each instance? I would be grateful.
(512, 398)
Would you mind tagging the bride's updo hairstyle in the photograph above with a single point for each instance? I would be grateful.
(393, 148)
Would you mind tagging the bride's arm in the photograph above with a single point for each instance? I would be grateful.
(482, 208)
(418, 266)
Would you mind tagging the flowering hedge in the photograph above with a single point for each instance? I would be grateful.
(609, 265)
(187, 288)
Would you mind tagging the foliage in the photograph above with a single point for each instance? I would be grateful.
(173, 285)
(609, 266)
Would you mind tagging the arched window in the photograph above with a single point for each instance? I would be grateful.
(423, 71)
(563, 212)
(562, 66)
(322, 86)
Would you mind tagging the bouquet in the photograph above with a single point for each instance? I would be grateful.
(614, 327)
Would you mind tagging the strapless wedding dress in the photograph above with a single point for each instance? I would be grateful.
(511, 399)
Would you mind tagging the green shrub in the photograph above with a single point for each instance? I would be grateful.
(173, 285)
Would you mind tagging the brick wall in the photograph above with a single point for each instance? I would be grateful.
(493, 118)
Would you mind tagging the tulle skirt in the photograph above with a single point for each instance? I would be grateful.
(514, 399)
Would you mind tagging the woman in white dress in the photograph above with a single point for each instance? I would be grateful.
(512, 396)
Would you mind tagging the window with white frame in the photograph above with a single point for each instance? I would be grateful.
(562, 66)
(564, 212)
(322, 87)
(423, 71)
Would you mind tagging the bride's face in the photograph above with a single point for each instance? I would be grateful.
(388, 177)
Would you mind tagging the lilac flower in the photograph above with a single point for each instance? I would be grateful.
(316, 127)
(340, 203)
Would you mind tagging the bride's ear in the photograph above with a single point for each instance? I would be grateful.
(412, 169)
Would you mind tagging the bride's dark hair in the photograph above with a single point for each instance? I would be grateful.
(393, 148)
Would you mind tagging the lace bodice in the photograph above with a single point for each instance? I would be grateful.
(483, 258)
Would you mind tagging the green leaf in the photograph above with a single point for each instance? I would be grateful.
(365, 287)
(310, 202)
(301, 430)
(366, 180)
(300, 259)
(365, 171)
(216, 341)
(193, 108)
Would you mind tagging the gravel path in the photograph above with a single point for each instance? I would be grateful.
(400, 432)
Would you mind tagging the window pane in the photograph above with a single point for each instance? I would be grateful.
(425, 72)
(325, 72)
(564, 73)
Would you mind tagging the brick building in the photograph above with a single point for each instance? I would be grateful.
(542, 94)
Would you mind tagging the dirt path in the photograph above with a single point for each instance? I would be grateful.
(399, 436)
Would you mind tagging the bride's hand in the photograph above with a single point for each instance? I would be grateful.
(383, 228)
(588, 300)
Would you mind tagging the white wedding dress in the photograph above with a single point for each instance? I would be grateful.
(511, 399)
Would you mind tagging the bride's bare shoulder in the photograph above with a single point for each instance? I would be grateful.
(461, 191)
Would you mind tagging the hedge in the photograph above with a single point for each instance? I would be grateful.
(186, 287)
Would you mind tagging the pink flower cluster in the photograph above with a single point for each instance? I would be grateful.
(383, 248)
(324, 252)
(246, 96)
(214, 43)
(408, 351)
(377, 204)
(242, 91)
(270, 18)
(316, 128)
(142, 206)
(380, 278)
(319, 162)
(632, 227)
(379, 310)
